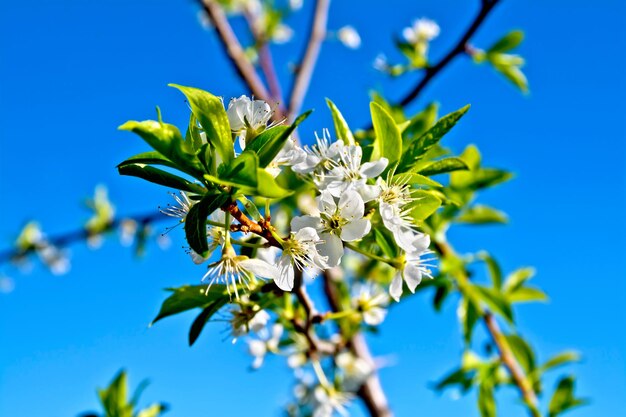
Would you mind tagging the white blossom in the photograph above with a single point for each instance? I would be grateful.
(349, 37)
(180, 209)
(248, 117)
(322, 156)
(355, 370)
(260, 347)
(289, 155)
(350, 174)
(234, 270)
(414, 268)
(328, 400)
(371, 302)
(423, 30)
(300, 251)
(336, 223)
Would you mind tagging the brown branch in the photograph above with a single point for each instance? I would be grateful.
(307, 63)
(231, 45)
(266, 61)
(486, 7)
(371, 392)
(504, 350)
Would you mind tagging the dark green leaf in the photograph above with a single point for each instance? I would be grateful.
(522, 351)
(242, 170)
(204, 317)
(507, 42)
(422, 121)
(342, 130)
(209, 110)
(189, 297)
(148, 158)
(486, 401)
(160, 177)
(195, 222)
(563, 398)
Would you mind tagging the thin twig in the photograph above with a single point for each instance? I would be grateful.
(266, 61)
(309, 58)
(231, 45)
(486, 7)
(506, 354)
(371, 392)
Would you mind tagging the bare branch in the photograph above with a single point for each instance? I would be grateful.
(485, 8)
(309, 58)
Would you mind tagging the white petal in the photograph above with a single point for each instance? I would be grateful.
(260, 268)
(336, 187)
(307, 233)
(375, 168)
(369, 192)
(332, 248)
(301, 222)
(286, 277)
(395, 289)
(412, 276)
(405, 237)
(355, 230)
(326, 203)
(196, 258)
(257, 348)
(351, 205)
(420, 244)
(374, 316)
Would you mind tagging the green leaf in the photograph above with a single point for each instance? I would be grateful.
(193, 137)
(189, 297)
(563, 398)
(242, 170)
(415, 179)
(160, 177)
(209, 110)
(342, 130)
(468, 316)
(560, 359)
(268, 187)
(516, 279)
(496, 302)
(420, 146)
(386, 242)
(114, 398)
(459, 377)
(204, 317)
(148, 158)
(522, 351)
(495, 273)
(481, 214)
(443, 166)
(526, 294)
(271, 141)
(166, 140)
(424, 205)
(388, 141)
(515, 75)
(509, 41)
(486, 401)
(195, 222)
(422, 121)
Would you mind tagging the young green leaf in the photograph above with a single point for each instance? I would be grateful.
(563, 398)
(342, 130)
(388, 140)
(209, 110)
(419, 147)
(509, 41)
(481, 214)
(424, 205)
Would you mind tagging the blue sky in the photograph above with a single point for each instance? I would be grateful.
(72, 71)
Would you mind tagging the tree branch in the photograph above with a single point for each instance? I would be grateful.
(309, 58)
(506, 354)
(235, 52)
(486, 7)
(371, 392)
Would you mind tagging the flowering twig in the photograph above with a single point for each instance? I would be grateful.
(305, 70)
(485, 8)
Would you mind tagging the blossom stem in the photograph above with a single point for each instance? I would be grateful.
(319, 372)
(371, 255)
